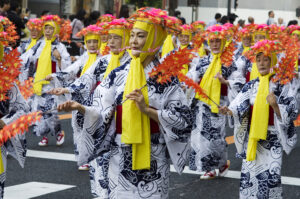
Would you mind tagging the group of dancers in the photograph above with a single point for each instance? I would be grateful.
(129, 126)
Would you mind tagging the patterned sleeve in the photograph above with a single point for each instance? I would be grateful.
(98, 128)
(288, 110)
(240, 107)
(65, 56)
(236, 81)
(175, 120)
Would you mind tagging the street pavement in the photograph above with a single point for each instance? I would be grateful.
(51, 173)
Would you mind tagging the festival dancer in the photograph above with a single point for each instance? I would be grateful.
(151, 125)
(35, 27)
(263, 112)
(46, 57)
(208, 145)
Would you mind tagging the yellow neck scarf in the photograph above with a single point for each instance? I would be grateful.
(44, 67)
(115, 58)
(185, 69)
(212, 85)
(245, 49)
(135, 124)
(102, 47)
(168, 45)
(92, 56)
(32, 43)
(202, 51)
(260, 116)
(254, 72)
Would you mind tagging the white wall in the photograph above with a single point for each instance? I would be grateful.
(207, 14)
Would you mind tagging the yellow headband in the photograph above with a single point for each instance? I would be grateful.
(54, 25)
(123, 33)
(117, 31)
(92, 36)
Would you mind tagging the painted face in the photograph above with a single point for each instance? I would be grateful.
(92, 45)
(114, 43)
(263, 64)
(184, 39)
(247, 41)
(34, 33)
(215, 45)
(137, 41)
(259, 37)
(104, 38)
(49, 30)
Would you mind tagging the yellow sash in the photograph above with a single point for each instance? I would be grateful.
(260, 117)
(254, 71)
(92, 58)
(113, 63)
(212, 85)
(202, 51)
(32, 43)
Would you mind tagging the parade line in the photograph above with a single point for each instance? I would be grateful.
(71, 157)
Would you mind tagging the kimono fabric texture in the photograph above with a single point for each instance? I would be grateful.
(261, 178)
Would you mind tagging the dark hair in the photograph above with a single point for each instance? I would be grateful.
(108, 12)
(218, 16)
(14, 5)
(250, 19)
(177, 13)
(2, 2)
(224, 20)
(71, 17)
(95, 15)
(232, 17)
(270, 12)
(45, 12)
(241, 22)
(292, 22)
(80, 14)
(124, 11)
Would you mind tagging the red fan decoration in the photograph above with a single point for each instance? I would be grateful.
(19, 126)
(227, 55)
(26, 88)
(9, 71)
(198, 40)
(105, 51)
(171, 67)
(297, 121)
(65, 31)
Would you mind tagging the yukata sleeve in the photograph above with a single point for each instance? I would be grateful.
(28, 60)
(236, 81)
(98, 128)
(240, 107)
(65, 56)
(288, 110)
(175, 119)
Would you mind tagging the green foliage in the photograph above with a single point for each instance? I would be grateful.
(145, 3)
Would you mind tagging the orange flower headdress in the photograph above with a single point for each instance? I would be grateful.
(262, 29)
(198, 25)
(35, 23)
(63, 28)
(92, 29)
(105, 18)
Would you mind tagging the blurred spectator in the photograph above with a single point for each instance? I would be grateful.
(292, 22)
(108, 12)
(72, 17)
(4, 7)
(45, 12)
(241, 23)
(232, 18)
(124, 11)
(281, 22)
(77, 25)
(26, 15)
(14, 16)
(93, 17)
(271, 19)
(178, 15)
(224, 20)
(250, 20)
(217, 20)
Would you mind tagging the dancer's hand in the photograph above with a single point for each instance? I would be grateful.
(138, 97)
(58, 91)
(271, 99)
(225, 110)
(222, 79)
(49, 78)
(70, 106)
(56, 54)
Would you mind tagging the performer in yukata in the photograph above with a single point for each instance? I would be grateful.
(263, 113)
(35, 27)
(208, 145)
(46, 57)
(149, 129)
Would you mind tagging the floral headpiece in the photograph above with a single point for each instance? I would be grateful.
(186, 29)
(64, 26)
(156, 16)
(119, 23)
(267, 47)
(91, 29)
(8, 31)
(216, 32)
(105, 18)
(261, 28)
(293, 28)
(198, 25)
(35, 23)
